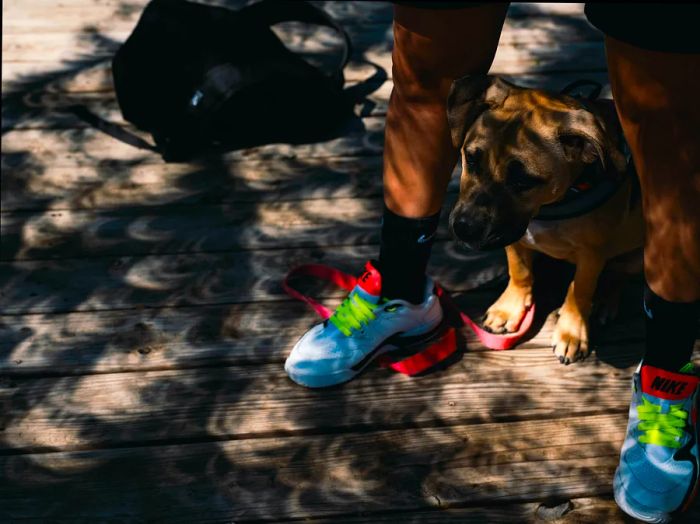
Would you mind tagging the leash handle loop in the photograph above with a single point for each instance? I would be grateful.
(322, 272)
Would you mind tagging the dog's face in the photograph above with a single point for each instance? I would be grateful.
(520, 148)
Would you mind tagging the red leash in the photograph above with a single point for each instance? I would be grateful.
(434, 353)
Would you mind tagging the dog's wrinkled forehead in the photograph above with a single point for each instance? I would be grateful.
(521, 120)
(525, 115)
(507, 127)
(497, 140)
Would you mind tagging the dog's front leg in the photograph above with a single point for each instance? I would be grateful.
(570, 338)
(507, 312)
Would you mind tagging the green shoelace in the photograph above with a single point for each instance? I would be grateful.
(353, 314)
(661, 429)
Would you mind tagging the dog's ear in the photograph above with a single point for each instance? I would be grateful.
(584, 136)
(470, 96)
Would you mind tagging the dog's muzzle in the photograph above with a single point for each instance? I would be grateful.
(479, 232)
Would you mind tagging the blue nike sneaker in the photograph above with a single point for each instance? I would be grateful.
(363, 327)
(658, 472)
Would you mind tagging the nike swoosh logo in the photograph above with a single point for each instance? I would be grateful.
(423, 239)
(648, 311)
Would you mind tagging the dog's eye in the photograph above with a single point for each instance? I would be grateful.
(473, 160)
(519, 179)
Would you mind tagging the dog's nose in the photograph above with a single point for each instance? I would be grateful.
(463, 227)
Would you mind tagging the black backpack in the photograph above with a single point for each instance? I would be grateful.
(202, 78)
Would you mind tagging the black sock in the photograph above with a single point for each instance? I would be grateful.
(671, 331)
(404, 253)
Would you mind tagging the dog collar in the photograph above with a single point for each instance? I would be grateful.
(591, 190)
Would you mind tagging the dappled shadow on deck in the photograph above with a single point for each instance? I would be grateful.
(183, 279)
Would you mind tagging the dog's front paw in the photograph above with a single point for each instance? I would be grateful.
(570, 338)
(506, 314)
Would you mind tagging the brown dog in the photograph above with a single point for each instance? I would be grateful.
(522, 151)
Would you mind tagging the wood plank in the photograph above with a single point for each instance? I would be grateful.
(76, 147)
(103, 15)
(35, 185)
(301, 38)
(93, 72)
(50, 54)
(203, 278)
(204, 336)
(148, 339)
(49, 107)
(298, 477)
(118, 409)
(110, 410)
(132, 231)
(588, 510)
(236, 227)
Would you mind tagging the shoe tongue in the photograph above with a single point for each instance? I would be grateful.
(667, 385)
(369, 285)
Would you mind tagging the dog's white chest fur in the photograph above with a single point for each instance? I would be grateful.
(548, 237)
(538, 229)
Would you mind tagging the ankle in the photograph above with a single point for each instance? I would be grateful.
(671, 329)
(395, 287)
(404, 253)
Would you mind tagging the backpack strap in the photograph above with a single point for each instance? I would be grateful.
(116, 131)
(271, 12)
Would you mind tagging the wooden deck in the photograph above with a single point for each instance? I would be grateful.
(143, 327)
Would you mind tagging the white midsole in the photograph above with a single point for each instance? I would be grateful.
(337, 377)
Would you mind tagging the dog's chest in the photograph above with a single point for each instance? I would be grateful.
(549, 237)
